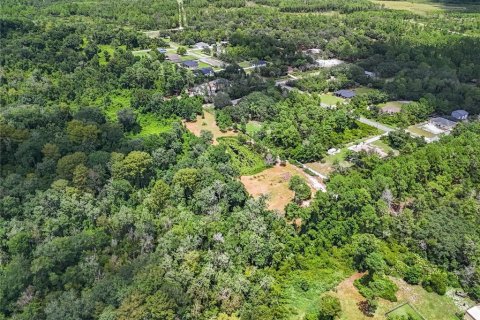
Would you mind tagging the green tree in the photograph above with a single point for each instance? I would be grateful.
(329, 308)
(135, 167)
(182, 50)
(67, 164)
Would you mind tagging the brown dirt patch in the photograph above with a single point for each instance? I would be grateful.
(274, 183)
(208, 123)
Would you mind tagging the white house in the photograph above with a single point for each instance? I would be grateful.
(473, 313)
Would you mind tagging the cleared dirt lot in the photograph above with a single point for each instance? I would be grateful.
(429, 304)
(274, 183)
(208, 124)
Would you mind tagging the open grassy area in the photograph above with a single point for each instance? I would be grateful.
(253, 127)
(419, 7)
(429, 304)
(244, 64)
(405, 310)
(203, 64)
(382, 145)
(274, 183)
(141, 54)
(304, 286)
(417, 130)
(187, 57)
(208, 123)
(106, 49)
(326, 166)
(363, 90)
(151, 124)
(330, 99)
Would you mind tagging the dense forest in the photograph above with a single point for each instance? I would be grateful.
(110, 208)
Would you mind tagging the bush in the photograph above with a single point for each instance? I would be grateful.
(301, 189)
(330, 308)
(413, 275)
(376, 286)
(436, 282)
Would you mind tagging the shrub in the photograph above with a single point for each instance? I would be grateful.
(375, 286)
(330, 308)
(436, 282)
(413, 275)
(300, 187)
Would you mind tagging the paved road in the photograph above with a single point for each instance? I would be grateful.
(375, 124)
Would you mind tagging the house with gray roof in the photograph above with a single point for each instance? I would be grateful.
(442, 123)
(460, 115)
(346, 94)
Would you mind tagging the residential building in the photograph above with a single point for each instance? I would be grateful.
(173, 57)
(190, 64)
(259, 63)
(208, 72)
(442, 123)
(460, 115)
(347, 94)
(201, 45)
(473, 313)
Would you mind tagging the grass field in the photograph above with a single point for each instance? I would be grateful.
(105, 48)
(244, 64)
(243, 158)
(326, 166)
(149, 123)
(187, 57)
(208, 123)
(152, 125)
(415, 129)
(429, 304)
(419, 7)
(303, 287)
(405, 310)
(330, 99)
(274, 183)
(253, 127)
(363, 90)
(382, 145)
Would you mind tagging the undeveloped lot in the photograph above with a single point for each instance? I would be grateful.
(429, 304)
(274, 183)
(208, 124)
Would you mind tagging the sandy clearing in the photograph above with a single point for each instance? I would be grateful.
(273, 182)
(208, 124)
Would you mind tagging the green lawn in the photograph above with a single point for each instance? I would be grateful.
(253, 127)
(141, 54)
(420, 7)
(419, 131)
(405, 310)
(187, 57)
(330, 99)
(382, 145)
(109, 49)
(363, 90)
(203, 65)
(244, 64)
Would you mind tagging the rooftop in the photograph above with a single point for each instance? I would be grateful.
(206, 71)
(474, 312)
(459, 113)
(442, 122)
(345, 93)
(190, 63)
